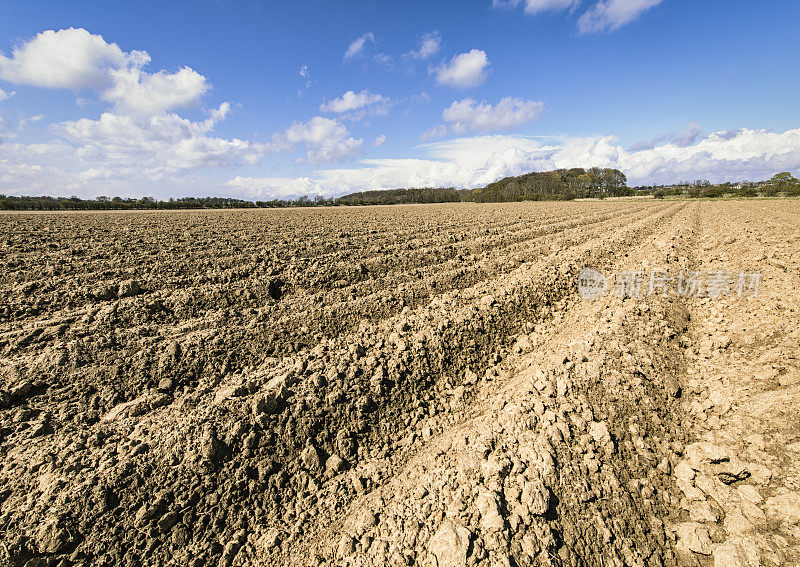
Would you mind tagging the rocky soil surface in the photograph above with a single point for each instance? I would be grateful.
(398, 386)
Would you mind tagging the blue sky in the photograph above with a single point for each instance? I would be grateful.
(264, 99)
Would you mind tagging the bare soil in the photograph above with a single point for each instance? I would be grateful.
(398, 386)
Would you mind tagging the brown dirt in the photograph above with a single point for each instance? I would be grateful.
(397, 385)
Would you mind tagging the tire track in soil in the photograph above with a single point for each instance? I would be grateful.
(740, 486)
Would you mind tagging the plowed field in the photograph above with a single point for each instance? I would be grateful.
(405, 385)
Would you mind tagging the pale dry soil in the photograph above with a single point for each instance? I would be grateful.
(416, 385)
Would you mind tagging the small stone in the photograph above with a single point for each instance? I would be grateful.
(311, 458)
(470, 377)
(180, 536)
(211, 447)
(167, 521)
(684, 471)
(537, 497)
(599, 432)
(229, 552)
(365, 520)
(700, 511)
(346, 548)
(52, 537)
(488, 506)
(334, 465)
(21, 390)
(737, 523)
(694, 537)
(449, 545)
(103, 292)
(270, 539)
(269, 401)
(750, 493)
(128, 288)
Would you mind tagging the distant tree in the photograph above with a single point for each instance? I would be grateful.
(783, 182)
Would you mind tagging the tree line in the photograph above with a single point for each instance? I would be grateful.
(561, 184)
(783, 184)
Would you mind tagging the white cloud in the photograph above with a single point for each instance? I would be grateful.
(25, 120)
(477, 161)
(379, 141)
(356, 47)
(465, 70)
(76, 59)
(325, 140)
(143, 93)
(305, 73)
(72, 59)
(468, 115)
(4, 95)
(604, 15)
(538, 6)
(124, 154)
(255, 188)
(420, 98)
(138, 141)
(383, 59)
(438, 131)
(352, 101)
(609, 15)
(427, 46)
(682, 138)
(159, 145)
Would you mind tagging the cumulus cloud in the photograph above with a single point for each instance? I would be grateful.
(464, 70)
(76, 59)
(137, 92)
(71, 59)
(609, 15)
(121, 153)
(356, 104)
(356, 47)
(139, 140)
(157, 146)
(427, 46)
(379, 140)
(477, 161)
(469, 115)
(5, 96)
(325, 140)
